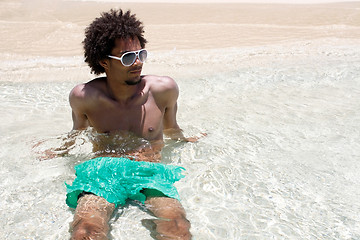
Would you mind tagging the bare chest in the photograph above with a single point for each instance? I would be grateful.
(145, 120)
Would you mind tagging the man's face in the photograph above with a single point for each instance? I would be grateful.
(131, 74)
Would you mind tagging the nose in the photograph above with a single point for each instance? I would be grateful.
(137, 61)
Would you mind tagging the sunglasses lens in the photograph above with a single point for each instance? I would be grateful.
(128, 58)
(142, 55)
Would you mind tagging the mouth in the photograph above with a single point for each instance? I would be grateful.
(136, 71)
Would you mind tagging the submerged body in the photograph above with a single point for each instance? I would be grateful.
(126, 103)
(141, 113)
(150, 109)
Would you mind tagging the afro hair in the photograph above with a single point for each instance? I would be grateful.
(101, 34)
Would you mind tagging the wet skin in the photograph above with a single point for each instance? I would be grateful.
(124, 102)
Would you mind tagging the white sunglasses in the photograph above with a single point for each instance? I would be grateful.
(128, 58)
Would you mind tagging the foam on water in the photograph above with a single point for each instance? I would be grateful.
(280, 160)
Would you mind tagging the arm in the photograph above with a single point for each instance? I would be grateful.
(171, 128)
(77, 102)
(169, 97)
(80, 122)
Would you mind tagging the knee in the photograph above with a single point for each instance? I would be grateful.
(176, 228)
(182, 224)
(85, 230)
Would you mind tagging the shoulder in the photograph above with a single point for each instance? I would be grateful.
(83, 93)
(164, 89)
(162, 84)
(89, 89)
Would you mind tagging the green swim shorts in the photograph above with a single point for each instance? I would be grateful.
(117, 179)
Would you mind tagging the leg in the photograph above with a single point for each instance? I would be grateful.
(91, 218)
(171, 222)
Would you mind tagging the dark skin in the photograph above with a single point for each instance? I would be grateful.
(144, 114)
(126, 103)
(111, 104)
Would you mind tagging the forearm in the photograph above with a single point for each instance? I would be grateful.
(68, 142)
(174, 133)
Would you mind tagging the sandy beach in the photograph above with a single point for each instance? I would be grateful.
(56, 28)
(276, 87)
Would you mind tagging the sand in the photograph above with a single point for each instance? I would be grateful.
(56, 28)
(275, 86)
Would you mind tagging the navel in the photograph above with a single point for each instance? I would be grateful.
(151, 129)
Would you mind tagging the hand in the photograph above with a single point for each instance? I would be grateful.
(177, 134)
(68, 143)
(194, 139)
(43, 155)
(48, 154)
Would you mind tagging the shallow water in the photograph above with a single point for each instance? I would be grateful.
(280, 160)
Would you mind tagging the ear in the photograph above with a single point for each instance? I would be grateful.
(104, 63)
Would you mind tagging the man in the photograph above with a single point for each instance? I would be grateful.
(126, 104)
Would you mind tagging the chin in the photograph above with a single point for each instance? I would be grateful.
(133, 81)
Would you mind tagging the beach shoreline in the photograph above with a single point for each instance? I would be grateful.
(276, 88)
(57, 28)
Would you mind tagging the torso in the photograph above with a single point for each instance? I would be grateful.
(142, 117)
